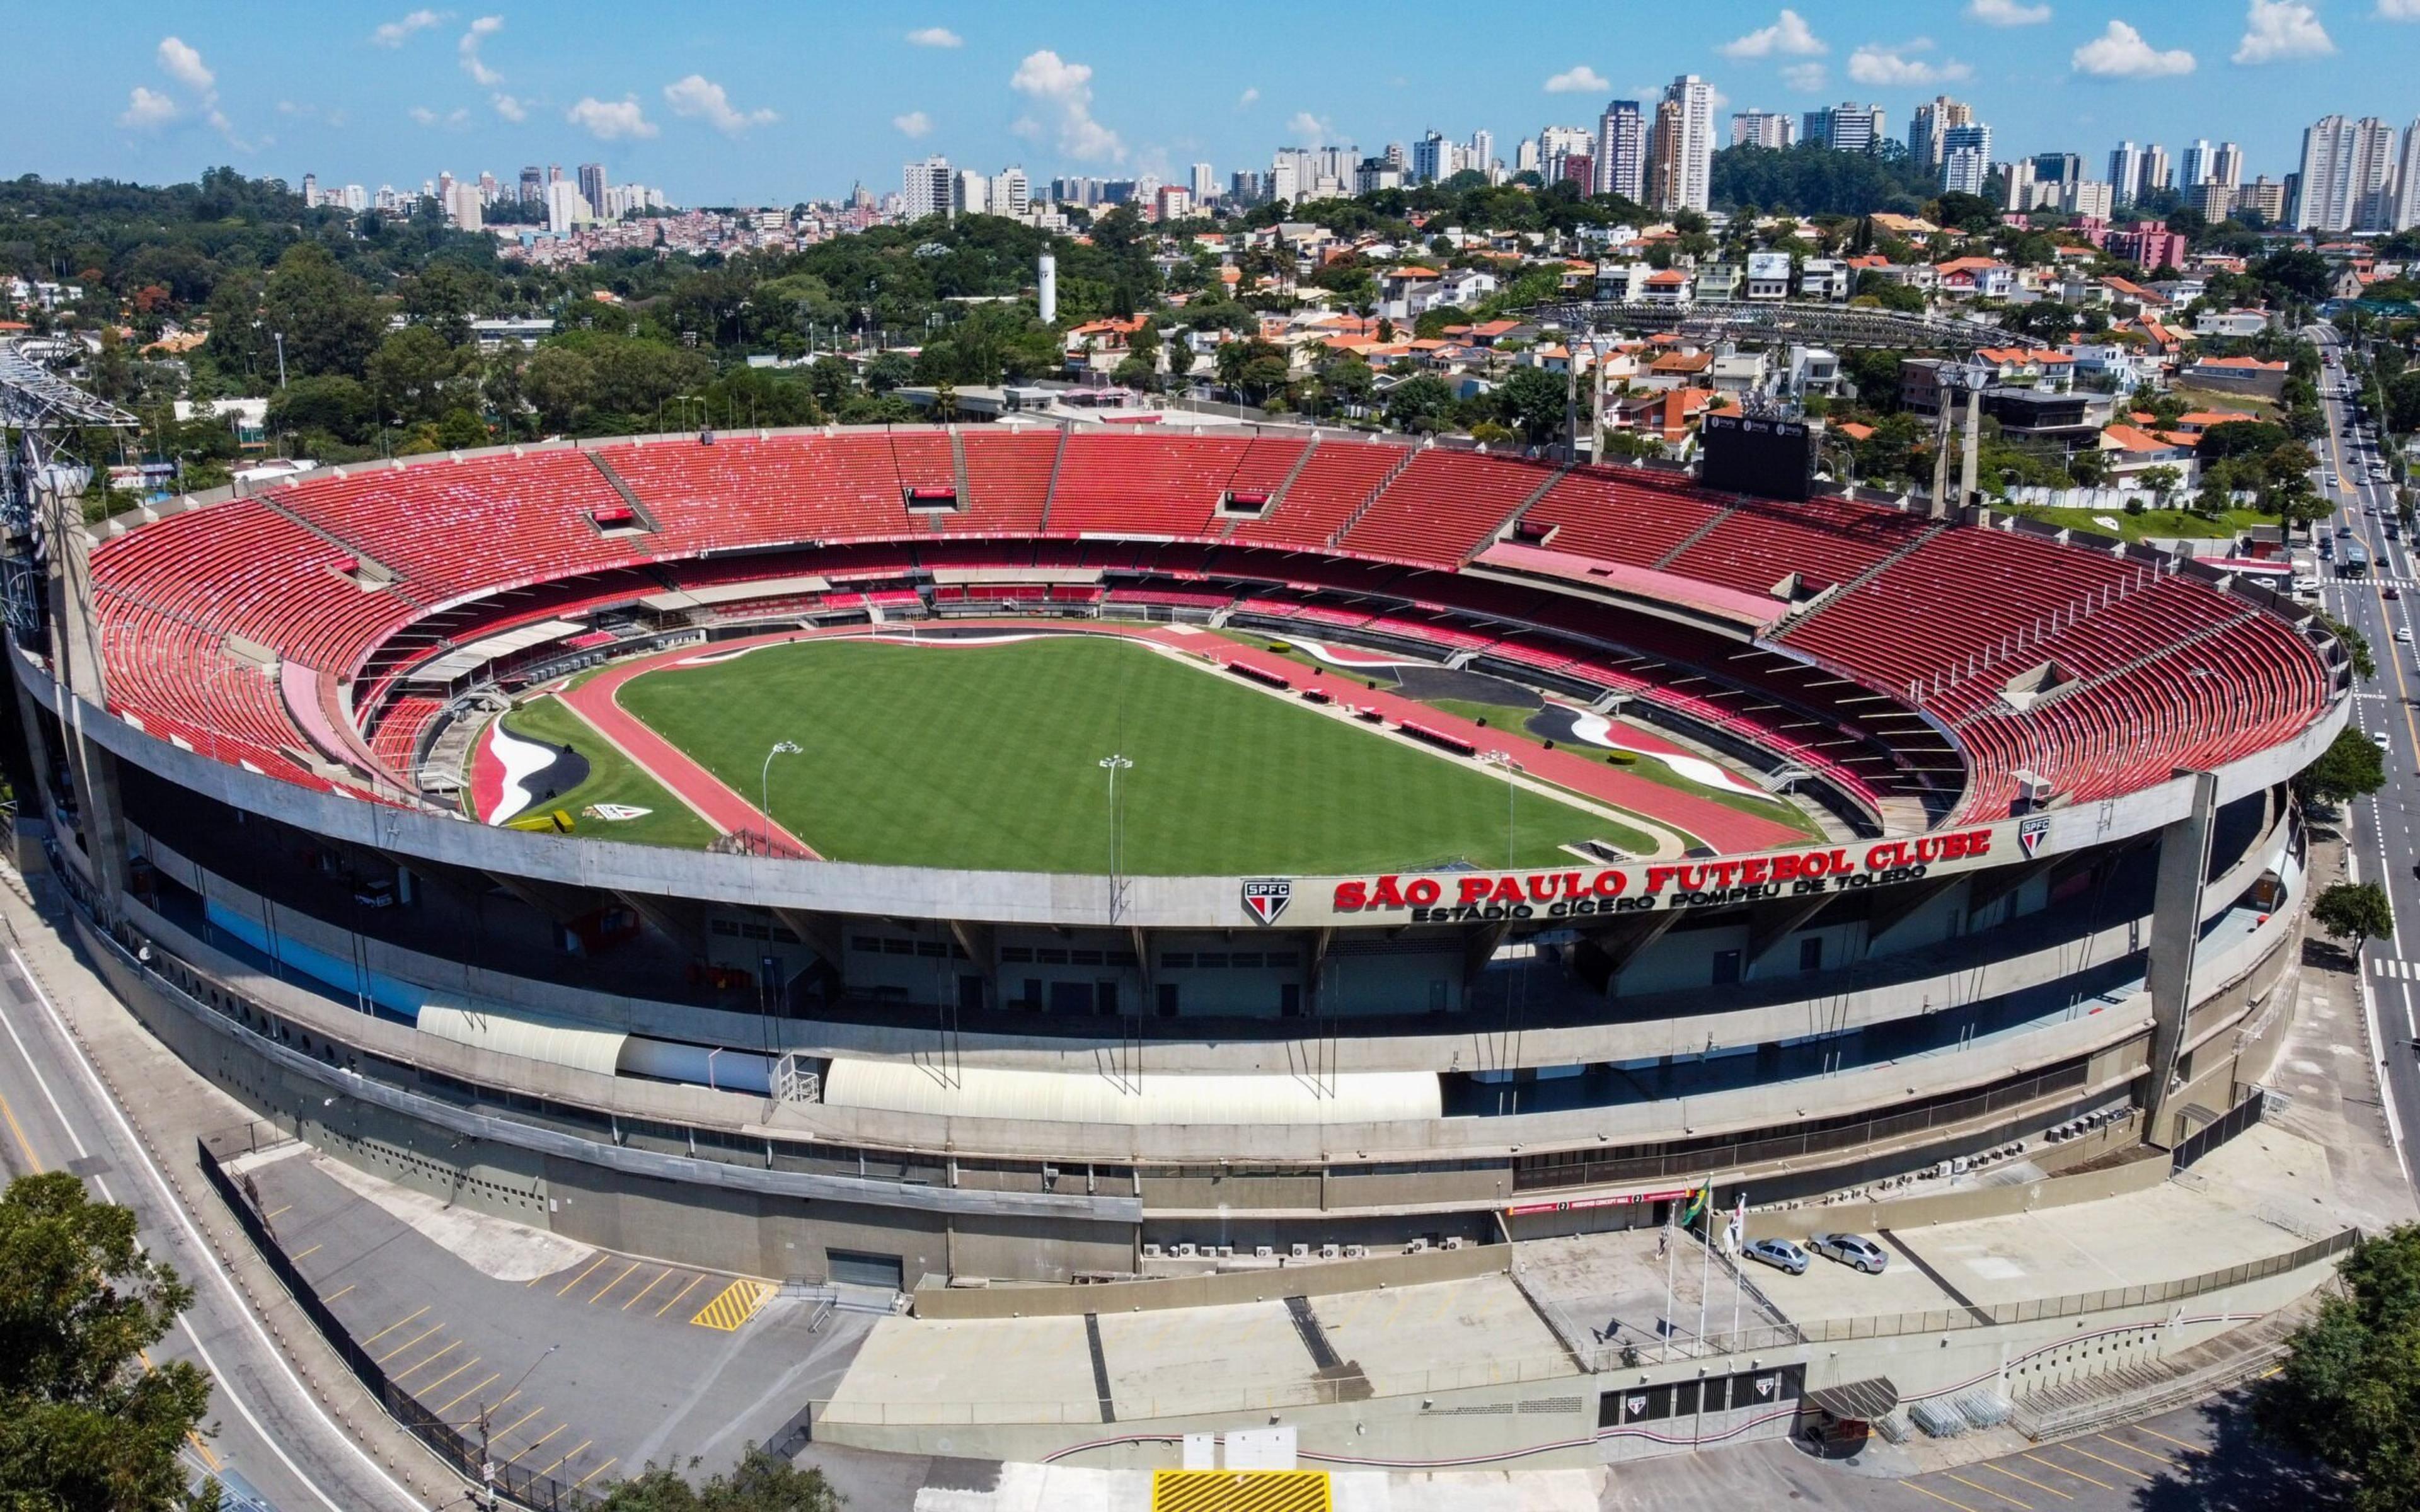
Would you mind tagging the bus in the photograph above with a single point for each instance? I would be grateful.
(2356, 560)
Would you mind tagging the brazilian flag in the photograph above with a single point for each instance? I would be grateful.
(1693, 1210)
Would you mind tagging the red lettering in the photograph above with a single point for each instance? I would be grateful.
(1978, 843)
(1753, 872)
(1508, 890)
(1386, 895)
(1884, 855)
(1785, 867)
(1610, 884)
(1543, 888)
(1422, 892)
(1474, 890)
(1840, 863)
(1352, 896)
(1953, 847)
(1815, 864)
(1660, 877)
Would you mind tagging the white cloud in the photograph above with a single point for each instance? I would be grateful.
(935, 37)
(914, 124)
(1578, 80)
(148, 108)
(1788, 36)
(699, 96)
(424, 117)
(1068, 87)
(2121, 52)
(1807, 78)
(395, 33)
(610, 120)
(1311, 129)
(510, 108)
(1250, 97)
(184, 64)
(473, 64)
(2399, 10)
(2278, 30)
(2006, 12)
(1892, 67)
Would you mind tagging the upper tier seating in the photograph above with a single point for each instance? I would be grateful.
(1445, 506)
(1339, 478)
(1142, 485)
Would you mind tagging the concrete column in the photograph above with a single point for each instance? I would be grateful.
(75, 668)
(1967, 452)
(2176, 941)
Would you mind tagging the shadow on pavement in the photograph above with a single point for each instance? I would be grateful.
(2239, 1471)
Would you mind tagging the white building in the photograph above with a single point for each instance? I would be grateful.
(1926, 148)
(1965, 159)
(1763, 129)
(567, 209)
(926, 188)
(1205, 183)
(1621, 151)
(2407, 201)
(2348, 171)
(1691, 159)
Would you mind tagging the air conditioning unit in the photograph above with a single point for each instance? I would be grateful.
(1226, 1252)
(1455, 1242)
(1356, 1251)
(1418, 1246)
(1186, 1252)
(1263, 1252)
(1329, 1252)
(1150, 1252)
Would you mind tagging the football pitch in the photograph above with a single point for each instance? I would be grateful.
(988, 758)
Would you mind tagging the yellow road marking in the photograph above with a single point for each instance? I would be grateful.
(615, 1282)
(2127, 1470)
(599, 1471)
(389, 1329)
(678, 1295)
(2031, 1481)
(567, 1454)
(449, 1375)
(32, 1160)
(584, 1275)
(733, 1305)
(399, 1375)
(279, 1214)
(390, 1354)
(307, 1254)
(2026, 1506)
(204, 1449)
(334, 1295)
(649, 1286)
(519, 1421)
(1936, 1495)
(2148, 1453)
(2065, 1470)
(542, 1437)
(489, 1382)
(2157, 1434)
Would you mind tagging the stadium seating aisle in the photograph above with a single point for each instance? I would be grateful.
(1445, 506)
(1622, 514)
(1338, 479)
(1146, 485)
(1008, 480)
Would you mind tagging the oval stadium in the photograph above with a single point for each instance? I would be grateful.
(1042, 854)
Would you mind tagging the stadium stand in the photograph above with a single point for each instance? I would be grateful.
(1445, 506)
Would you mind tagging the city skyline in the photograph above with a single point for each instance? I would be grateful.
(719, 112)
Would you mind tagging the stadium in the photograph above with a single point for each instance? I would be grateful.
(1067, 853)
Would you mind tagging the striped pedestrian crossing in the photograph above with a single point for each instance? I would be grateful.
(2397, 971)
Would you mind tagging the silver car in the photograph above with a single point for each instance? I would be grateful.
(1851, 1249)
(1778, 1253)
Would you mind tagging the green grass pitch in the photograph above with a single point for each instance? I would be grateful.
(987, 759)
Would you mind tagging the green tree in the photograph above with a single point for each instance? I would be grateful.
(560, 382)
(2355, 911)
(2351, 767)
(84, 1425)
(1419, 404)
(759, 1483)
(2164, 481)
(412, 373)
(2349, 1392)
(330, 321)
(1531, 400)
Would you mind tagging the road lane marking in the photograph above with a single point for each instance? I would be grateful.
(424, 1364)
(32, 1161)
(2124, 1470)
(615, 1282)
(1937, 1496)
(599, 1471)
(2022, 1506)
(2148, 1453)
(439, 1383)
(334, 1295)
(307, 1254)
(678, 1295)
(567, 1454)
(2028, 1480)
(549, 1433)
(2179, 1443)
(583, 1275)
(519, 1421)
(468, 1390)
(392, 1327)
(649, 1286)
(2065, 1470)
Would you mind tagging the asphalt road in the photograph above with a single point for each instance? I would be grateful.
(2385, 830)
(271, 1441)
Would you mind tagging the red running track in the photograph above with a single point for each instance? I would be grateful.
(1726, 829)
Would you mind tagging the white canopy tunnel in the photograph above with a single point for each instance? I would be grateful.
(558, 1045)
(1053, 1096)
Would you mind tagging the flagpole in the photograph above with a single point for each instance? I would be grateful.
(1669, 1321)
(1705, 1267)
(1739, 1242)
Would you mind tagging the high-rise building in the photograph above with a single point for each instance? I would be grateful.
(593, 184)
(1010, 194)
(926, 188)
(2125, 171)
(310, 191)
(1480, 155)
(1933, 119)
(1684, 148)
(533, 184)
(1527, 158)
(2057, 167)
(969, 193)
(1205, 183)
(489, 191)
(1847, 127)
(2085, 197)
(2347, 175)
(2227, 166)
(567, 209)
(2195, 169)
(1247, 188)
(1762, 129)
(2264, 198)
(1433, 158)
(2407, 177)
(463, 207)
(1965, 159)
(2155, 178)
(2212, 202)
(1621, 151)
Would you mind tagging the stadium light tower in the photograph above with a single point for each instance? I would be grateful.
(1503, 761)
(1114, 764)
(764, 787)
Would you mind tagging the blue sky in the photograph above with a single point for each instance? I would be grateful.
(723, 103)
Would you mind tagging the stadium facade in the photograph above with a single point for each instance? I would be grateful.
(2059, 874)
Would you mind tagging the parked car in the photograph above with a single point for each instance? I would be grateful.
(1851, 1250)
(1778, 1253)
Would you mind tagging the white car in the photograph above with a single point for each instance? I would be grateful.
(2381, 741)
(2403, 634)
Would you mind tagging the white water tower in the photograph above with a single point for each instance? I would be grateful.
(1049, 285)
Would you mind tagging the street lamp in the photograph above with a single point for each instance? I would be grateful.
(1114, 764)
(764, 787)
(1503, 761)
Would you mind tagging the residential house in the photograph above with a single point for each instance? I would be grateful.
(2239, 375)
(2239, 323)
(1824, 278)
(1980, 278)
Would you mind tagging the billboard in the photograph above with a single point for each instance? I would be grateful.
(1759, 454)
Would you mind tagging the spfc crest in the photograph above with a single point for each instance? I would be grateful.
(1266, 898)
(2031, 833)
